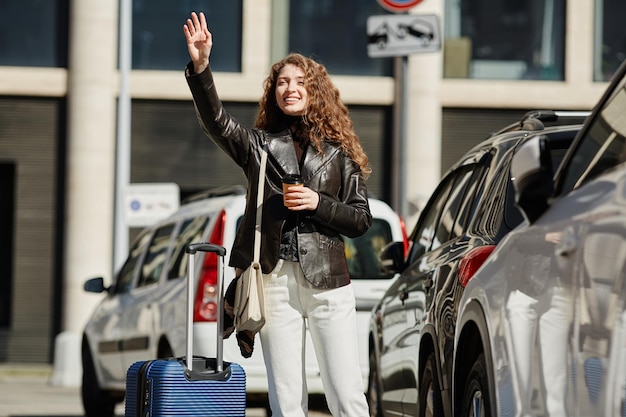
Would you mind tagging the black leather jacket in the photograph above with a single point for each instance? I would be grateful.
(343, 207)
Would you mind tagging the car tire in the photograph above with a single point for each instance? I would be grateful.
(430, 402)
(164, 350)
(96, 401)
(476, 401)
(373, 391)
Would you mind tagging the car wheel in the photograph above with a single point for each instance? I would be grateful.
(96, 402)
(430, 403)
(373, 391)
(476, 395)
(164, 350)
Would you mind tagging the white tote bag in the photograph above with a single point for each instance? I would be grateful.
(249, 309)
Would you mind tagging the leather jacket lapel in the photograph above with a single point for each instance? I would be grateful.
(280, 149)
(314, 161)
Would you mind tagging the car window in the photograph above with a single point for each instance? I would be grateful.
(127, 272)
(468, 204)
(446, 229)
(559, 144)
(362, 252)
(512, 214)
(603, 145)
(192, 230)
(424, 234)
(152, 266)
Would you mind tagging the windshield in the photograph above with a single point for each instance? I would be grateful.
(604, 144)
(362, 252)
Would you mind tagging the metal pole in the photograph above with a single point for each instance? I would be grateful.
(191, 276)
(122, 166)
(398, 160)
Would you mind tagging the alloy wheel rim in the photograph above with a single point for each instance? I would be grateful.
(478, 405)
(429, 409)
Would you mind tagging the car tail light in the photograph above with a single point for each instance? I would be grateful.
(472, 261)
(405, 238)
(205, 306)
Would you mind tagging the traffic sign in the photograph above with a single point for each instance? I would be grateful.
(398, 6)
(398, 35)
(145, 204)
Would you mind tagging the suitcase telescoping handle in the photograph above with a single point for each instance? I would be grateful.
(221, 253)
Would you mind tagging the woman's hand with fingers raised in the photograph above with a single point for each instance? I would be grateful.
(199, 41)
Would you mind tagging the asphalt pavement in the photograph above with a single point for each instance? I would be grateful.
(25, 391)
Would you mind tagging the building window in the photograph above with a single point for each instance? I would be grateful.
(335, 33)
(610, 38)
(33, 33)
(504, 39)
(159, 43)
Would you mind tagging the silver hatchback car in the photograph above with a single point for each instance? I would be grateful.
(541, 329)
(142, 315)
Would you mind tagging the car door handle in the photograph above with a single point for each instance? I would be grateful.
(567, 243)
(428, 283)
(404, 294)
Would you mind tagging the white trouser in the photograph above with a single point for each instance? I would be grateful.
(331, 316)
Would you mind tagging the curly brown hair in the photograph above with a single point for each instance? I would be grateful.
(326, 117)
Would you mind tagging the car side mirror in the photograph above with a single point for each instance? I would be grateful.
(532, 175)
(95, 285)
(392, 258)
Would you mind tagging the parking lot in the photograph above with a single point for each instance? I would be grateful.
(25, 391)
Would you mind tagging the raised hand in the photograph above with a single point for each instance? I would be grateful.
(199, 41)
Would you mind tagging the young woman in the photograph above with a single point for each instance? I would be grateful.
(307, 131)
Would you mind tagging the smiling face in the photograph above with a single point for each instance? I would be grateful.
(291, 94)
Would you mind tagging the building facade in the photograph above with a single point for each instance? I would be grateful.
(61, 91)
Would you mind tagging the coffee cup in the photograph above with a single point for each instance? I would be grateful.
(288, 181)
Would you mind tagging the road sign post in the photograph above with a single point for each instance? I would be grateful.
(399, 36)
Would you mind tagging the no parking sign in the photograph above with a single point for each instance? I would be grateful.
(398, 6)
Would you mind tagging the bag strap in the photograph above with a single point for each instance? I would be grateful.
(259, 206)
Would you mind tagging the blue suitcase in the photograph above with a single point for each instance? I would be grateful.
(174, 387)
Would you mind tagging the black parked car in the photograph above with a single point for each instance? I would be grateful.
(472, 209)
